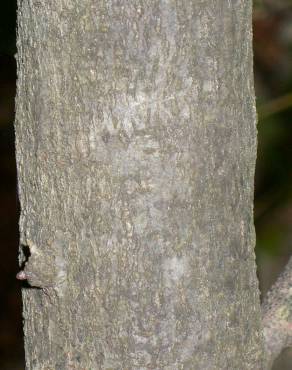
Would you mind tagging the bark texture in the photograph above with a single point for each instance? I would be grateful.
(136, 145)
(277, 315)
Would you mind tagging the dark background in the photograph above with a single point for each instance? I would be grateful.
(273, 194)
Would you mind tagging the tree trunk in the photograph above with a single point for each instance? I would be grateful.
(136, 145)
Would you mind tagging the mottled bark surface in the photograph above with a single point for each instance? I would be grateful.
(136, 145)
(277, 315)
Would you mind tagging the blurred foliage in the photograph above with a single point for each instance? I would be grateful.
(273, 78)
(273, 182)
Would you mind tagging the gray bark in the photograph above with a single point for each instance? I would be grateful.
(136, 145)
(277, 315)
